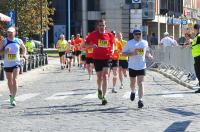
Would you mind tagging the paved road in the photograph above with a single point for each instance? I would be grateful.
(51, 100)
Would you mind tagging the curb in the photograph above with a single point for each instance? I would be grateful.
(173, 78)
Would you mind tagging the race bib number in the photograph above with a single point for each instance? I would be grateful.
(140, 51)
(12, 57)
(90, 50)
(103, 43)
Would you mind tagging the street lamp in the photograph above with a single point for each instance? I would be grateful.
(69, 20)
(41, 28)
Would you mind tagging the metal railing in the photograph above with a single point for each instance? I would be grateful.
(177, 61)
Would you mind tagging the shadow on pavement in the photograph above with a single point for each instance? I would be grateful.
(180, 112)
(178, 126)
(77, 108)
(172, 93)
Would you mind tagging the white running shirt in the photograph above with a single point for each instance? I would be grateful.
(136, 62)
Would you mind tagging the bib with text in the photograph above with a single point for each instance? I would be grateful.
(12, 57)
(103, 43)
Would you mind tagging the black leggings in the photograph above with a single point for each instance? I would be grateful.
(197, 67)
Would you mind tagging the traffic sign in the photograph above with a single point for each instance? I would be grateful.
(136, 1)
(184, 22)
(11, 14)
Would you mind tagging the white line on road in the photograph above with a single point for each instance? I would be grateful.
(173, 96)
(25, 97)
(59, 96)
(91, 96)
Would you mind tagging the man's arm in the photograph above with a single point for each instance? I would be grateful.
(24, 51)
(126, 51)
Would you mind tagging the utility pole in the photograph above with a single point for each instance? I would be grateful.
(69, 20)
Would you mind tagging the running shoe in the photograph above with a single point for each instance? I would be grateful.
(140, 104)
(100, 96)
(12, 100)
(121, 87)
(132, 96)
(114, 91)
(104, 101)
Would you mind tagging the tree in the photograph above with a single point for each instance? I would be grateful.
(29, 16)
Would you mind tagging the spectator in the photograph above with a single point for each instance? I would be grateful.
(153, 39)
(188, 40)
(30, 45)
(167, 41)
(175, 42)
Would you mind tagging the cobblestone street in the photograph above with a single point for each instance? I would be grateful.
(61, 101)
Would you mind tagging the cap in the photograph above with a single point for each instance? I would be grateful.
(137, 31)
(166, 33)
(11, 29)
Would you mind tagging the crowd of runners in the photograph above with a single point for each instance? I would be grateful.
(102, 51)
(108, 54)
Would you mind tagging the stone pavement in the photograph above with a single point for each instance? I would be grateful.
(51, 100)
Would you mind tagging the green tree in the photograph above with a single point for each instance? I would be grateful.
(29, 16)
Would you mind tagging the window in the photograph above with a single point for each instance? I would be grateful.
(93, 5)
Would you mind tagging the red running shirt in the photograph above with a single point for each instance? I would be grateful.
(104, 44)
(77, 43)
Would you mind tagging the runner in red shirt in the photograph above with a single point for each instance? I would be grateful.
(77, 44)
(102, 43)
(72, 44)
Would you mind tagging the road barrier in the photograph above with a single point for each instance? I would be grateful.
(176, 61)
(32, 62)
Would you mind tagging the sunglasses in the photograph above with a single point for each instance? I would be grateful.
(137, 34)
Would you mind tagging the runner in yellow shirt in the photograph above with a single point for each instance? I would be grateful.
(123, 60)
(61, 46)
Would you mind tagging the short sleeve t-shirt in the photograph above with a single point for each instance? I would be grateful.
(136, 62)
(104, 44)
(123, 44)
(62, 45)
(77, 43)
(167, 41)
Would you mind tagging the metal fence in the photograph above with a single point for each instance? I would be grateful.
(176, 60)
(174, 56)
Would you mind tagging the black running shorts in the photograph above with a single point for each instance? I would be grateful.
(134, 73)
(61, 54)
(123, 64)
(100, 64)
(89, 61)
(10, 69)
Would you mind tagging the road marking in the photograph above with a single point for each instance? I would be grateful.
(91, 96)
(59, 96)
(24, 97)
(173, 96)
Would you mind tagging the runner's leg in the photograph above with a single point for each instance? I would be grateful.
(15, 78)
(114, 69)
(105, 80)
(121, 76)
(9, 76)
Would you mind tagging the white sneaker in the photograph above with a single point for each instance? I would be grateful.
(121, 87)
(114, 91)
